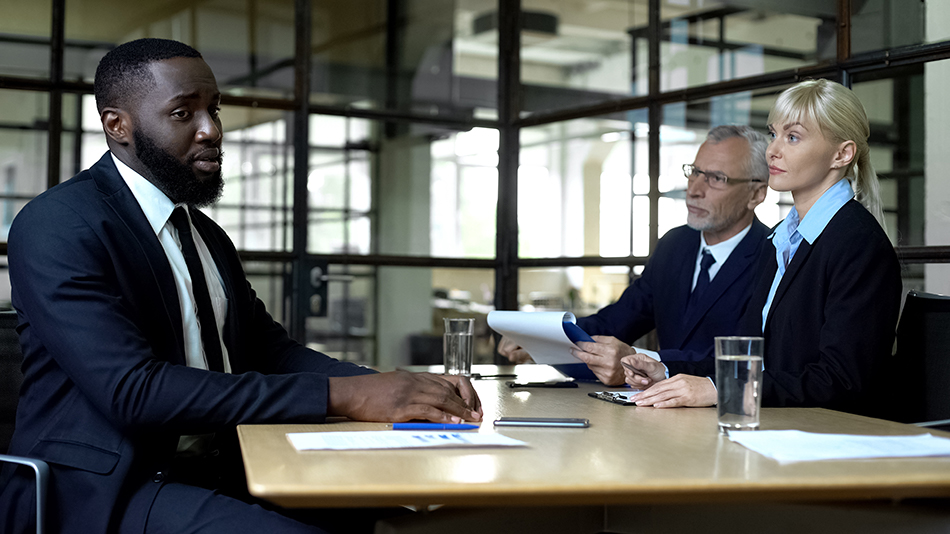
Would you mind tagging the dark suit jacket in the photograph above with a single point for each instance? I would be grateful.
(658, 298)
(832, 321)
(106, 392)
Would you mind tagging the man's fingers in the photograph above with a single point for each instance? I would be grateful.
(438, 393)
(635, 377)
(515, 354)
(587, 346)
(452, 405)
(674, 402)
(594, 353)
(637, 380)
(656, 393)
(644, 365)
(603, 346)
(608, 343)
(429, 413)
(519, 356)
(445, 393)
(467, 392)
(581, 355)
(680, 390)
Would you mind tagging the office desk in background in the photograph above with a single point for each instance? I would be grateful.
(628, 456)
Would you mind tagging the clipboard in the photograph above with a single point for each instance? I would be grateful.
(617, 397)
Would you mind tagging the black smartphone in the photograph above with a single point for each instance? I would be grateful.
(549, 384)
(573, 422)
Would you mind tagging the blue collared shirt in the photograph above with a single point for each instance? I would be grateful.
(788, 235)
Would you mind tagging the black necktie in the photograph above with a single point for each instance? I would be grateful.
(206, 323)
(702, 282)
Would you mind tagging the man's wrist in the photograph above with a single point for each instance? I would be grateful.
(713, 382)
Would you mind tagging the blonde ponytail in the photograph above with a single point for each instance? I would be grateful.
(867, 188)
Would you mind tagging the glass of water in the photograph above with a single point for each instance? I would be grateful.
(457, 346)
(739, 381)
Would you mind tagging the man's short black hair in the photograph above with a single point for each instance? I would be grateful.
(124, 71)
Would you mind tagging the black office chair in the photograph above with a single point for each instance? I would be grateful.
(10, 360)
(10, 376)
(923, 349)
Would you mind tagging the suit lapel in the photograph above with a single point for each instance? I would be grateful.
(151, 259)
(804, 250)
(684, 286)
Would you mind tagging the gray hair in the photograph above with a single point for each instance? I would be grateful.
(756, 167)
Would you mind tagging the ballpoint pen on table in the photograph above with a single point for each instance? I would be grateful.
(433, 426)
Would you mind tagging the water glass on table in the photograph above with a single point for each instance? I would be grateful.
(457, 346)
(739, 381)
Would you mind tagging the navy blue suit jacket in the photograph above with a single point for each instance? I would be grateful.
(831, 325)
(106, 392)
(658, 298)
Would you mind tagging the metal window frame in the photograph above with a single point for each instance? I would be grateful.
(511, 120)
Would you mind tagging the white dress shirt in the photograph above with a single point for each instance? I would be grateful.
(720, 252)
(158, 208)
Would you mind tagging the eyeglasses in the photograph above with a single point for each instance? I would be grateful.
(714, 179)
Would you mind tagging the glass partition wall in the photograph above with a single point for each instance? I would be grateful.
(390, 163)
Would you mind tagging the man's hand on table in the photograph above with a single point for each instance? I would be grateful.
(515, 354)
(403, 396)
(679, 390)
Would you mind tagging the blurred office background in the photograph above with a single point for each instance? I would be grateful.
(393, 162)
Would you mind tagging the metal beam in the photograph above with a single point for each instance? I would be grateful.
(655, 119)
(509, 109)
(869, 62)
(301, 129)
(57, 52)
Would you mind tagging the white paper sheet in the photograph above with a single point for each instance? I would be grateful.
(541, 334)
(396, 439)
(789, 446)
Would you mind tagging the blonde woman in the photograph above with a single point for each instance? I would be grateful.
(829, 286)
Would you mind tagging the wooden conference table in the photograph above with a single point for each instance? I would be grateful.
(628, 455)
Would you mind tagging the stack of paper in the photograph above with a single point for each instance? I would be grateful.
(541, 334)
(788, 446)
(388, 439)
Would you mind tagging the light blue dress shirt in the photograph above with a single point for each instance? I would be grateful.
(788, 235)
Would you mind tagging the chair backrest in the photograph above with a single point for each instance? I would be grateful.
(923, 349)
(11, 377)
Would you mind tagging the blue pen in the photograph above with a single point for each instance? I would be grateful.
(432, 426)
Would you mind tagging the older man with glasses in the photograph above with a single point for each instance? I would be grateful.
(698, 281)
